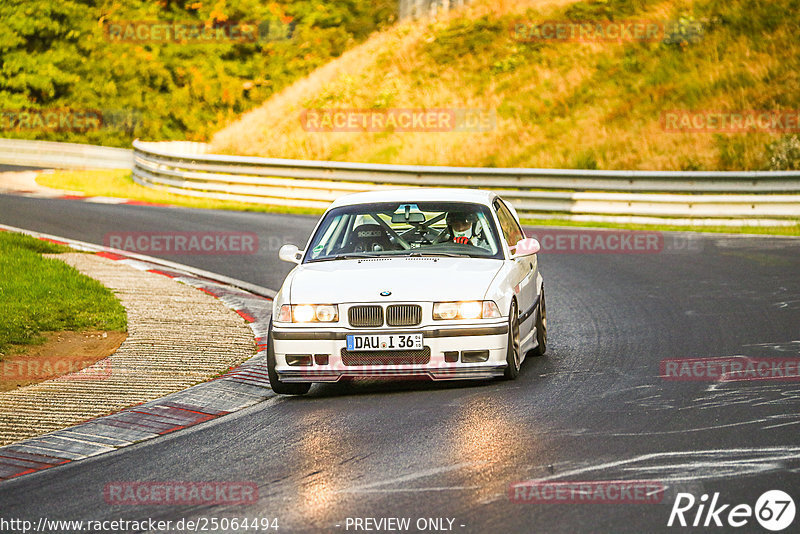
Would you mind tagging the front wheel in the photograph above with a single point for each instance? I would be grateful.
(277, 386)
(512, 351)
(541, 328)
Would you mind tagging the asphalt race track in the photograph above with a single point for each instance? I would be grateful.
(16, 168)
(594, 409)
(92, 222)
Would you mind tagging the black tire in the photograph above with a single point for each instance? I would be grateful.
(277, 386)
(541, 328)
(513, 355)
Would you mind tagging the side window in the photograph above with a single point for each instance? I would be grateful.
(511, 230)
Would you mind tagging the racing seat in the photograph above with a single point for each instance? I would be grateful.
(369, 238)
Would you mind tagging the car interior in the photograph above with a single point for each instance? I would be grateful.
(405, 228)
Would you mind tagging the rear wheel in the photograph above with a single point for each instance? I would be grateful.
(512, 352)
(277, 386)
(541, 328)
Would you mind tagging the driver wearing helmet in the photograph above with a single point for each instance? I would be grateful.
(463, 227)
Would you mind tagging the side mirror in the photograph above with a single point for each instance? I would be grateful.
(291, 254)
(525, 247)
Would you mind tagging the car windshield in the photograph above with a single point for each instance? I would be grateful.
(406, 229)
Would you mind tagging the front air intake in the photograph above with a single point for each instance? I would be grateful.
(404, 315)
(387, 357)
(365, 316)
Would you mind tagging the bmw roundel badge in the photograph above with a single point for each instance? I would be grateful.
(385, 293)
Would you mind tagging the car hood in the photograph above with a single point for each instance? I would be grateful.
(415, 279)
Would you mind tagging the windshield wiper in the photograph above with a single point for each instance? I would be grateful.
(443, 254)
(399, 255)
(345, 257)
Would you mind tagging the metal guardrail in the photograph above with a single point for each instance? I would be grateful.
(697, 197)
(426, 8)
(49, 154)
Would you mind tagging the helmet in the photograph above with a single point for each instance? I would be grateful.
(463, 217)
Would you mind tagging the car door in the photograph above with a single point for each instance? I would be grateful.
(524, 268)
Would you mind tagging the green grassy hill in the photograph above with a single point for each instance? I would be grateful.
(557, 104)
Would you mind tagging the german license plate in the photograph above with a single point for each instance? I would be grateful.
(361, 342)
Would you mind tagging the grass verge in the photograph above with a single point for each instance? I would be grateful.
(558, 104)
(759, 230)
(118, 183)
(40, 295)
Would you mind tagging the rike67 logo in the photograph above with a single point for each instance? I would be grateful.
(774, 510)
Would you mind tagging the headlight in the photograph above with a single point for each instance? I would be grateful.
(470, 309)
(309, 313)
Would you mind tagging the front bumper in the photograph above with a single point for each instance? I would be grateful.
(439, 340)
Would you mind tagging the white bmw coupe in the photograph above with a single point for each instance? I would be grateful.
(433, 283)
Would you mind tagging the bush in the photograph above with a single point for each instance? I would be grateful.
(604, 9)
(58, 56)
(685, 31)
(784, 154)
